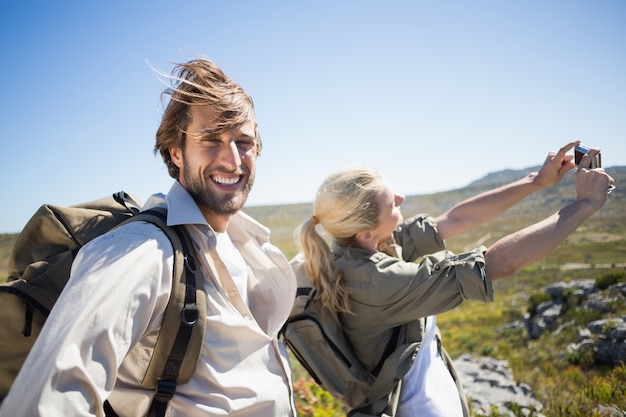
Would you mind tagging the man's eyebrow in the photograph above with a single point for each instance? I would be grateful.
(247, 136)
(208, 132)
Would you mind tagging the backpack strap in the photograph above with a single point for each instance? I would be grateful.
(127, 201)
(392, 344)
(181, 336)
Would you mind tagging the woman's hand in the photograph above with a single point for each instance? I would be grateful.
(592, 184)
(556, 165)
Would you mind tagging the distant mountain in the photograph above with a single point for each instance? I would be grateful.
(555, 197)
(498, 178)
(283, 219)
(495, 179)
(531, 209)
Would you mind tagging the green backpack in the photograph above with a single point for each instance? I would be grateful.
(39, 267)
(316, 339)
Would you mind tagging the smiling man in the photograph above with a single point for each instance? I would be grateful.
(216, 165)
(102, 330)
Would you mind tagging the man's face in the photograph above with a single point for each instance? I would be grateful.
(217, 169)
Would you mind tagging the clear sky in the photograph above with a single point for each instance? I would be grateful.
(435, 94)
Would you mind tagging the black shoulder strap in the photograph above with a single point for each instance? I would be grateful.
(391, 346)
(181, 352)
(189, 315)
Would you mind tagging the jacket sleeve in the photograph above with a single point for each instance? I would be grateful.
(439, 283)
(118, 290)
(418, 236)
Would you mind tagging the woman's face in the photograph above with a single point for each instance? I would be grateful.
(390, 216)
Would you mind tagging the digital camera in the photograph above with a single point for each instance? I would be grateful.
(580, 151)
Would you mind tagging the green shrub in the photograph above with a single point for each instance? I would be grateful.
(512, 314)
(605, 281)
(580, 316)
(583, 357)
(486, 350)
(535, 299)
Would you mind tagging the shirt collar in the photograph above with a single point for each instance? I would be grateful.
(182, 209)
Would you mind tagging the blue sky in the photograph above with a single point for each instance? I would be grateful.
(435, 94)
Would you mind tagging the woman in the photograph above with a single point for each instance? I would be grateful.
(370, 280)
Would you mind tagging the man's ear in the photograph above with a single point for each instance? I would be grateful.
(177, 156)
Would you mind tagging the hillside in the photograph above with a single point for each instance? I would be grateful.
(606, 226)
(597, 248)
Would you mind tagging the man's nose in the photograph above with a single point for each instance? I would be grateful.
(230, 155)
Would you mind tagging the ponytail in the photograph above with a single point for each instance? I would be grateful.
(346, 203)
(320, 268)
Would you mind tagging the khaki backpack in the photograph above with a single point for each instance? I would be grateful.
(317, 340)
(39, 267)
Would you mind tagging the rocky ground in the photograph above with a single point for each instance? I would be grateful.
(489, 382)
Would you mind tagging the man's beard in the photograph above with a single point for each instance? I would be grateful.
(227, 205)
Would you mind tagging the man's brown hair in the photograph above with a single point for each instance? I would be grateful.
(200, 82)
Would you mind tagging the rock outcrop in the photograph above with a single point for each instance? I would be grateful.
(489, 383)
(602, 340)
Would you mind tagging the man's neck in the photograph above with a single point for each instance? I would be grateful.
(219, 223)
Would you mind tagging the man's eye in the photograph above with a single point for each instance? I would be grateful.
(212, 142)
(245, 145)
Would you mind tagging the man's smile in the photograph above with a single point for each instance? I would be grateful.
(226, 180)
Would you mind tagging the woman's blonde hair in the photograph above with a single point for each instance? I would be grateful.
(346, 203)
(200, 82)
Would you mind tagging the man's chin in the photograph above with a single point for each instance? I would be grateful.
(224, 200)
(228, 209)
(228, 204)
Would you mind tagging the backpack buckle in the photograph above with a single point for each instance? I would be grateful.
(165, 390)
(189, 314)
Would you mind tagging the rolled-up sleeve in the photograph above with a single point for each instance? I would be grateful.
(418, 236)
(439, 283)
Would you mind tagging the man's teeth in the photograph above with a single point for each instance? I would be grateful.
(227, 181)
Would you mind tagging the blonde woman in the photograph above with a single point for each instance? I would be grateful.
(368, 277)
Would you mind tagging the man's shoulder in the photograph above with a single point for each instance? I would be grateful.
(243, 224)
(130, 235)
(245, 217)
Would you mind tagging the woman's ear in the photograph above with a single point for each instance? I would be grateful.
(364, 237)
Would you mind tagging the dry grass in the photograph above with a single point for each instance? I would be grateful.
(565, 389)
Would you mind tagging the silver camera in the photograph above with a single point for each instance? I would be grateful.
(581, 150)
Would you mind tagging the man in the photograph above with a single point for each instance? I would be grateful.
(99, 337)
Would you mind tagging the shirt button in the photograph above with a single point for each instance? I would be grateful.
(231, 293)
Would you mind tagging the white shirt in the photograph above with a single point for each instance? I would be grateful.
(100, 334)
(234, 262)
(428, 389)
